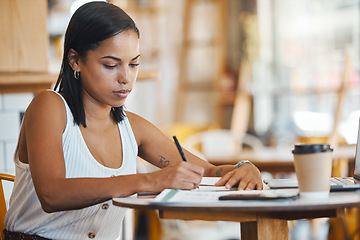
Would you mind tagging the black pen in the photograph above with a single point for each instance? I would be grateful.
(180, 149)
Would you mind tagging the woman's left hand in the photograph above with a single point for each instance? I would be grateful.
(246, 176)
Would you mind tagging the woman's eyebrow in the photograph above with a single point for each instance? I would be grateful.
(115, 58)
(118, 59)
(135, 57)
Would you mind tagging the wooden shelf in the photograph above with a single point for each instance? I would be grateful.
(26, 82)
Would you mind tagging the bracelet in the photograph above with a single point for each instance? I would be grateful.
(242, 162)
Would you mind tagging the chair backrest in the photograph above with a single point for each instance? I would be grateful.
(3, 209)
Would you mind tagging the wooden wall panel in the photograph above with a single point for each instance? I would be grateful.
(23, 36)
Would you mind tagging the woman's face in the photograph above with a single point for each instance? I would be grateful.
(109, 71)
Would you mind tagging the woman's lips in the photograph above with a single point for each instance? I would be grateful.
(122, 93)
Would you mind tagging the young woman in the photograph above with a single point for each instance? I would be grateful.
(77, 147)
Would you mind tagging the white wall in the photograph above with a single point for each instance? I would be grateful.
(11, 107)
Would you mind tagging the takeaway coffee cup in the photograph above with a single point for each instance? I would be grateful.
(313, 164)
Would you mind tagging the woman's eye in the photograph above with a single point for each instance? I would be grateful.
(134, 65)
(110, 66)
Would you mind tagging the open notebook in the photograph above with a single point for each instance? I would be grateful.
(336, 184)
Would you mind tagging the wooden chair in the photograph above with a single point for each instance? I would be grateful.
(3, 209)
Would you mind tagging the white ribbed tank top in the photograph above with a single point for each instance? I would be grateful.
(102, 220)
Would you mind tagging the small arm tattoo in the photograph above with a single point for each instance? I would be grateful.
(163, 162)
(219, 171)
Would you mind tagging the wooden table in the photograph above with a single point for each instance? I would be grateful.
(261, 220)
(275, 160)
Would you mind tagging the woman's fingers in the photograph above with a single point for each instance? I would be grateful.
(246, 177)
(182, 176)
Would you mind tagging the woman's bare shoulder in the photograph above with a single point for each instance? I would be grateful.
(137, 121)
(46, 105)
(46, 97)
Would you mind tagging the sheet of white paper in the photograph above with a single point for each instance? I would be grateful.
(173, 196)
(211, 188)
(209, 181)
(281, 183)
(177, 196)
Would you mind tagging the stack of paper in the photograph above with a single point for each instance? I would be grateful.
(207, 192)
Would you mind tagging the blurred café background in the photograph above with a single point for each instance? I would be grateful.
(225, 76)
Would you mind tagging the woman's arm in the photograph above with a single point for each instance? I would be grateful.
(41, 147)
(161, 151)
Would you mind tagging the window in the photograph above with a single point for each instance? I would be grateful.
(299, 70)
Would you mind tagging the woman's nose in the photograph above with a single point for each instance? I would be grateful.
(123, 76)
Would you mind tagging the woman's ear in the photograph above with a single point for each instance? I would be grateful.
(73, 58)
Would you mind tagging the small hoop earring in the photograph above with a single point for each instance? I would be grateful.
(76, 75)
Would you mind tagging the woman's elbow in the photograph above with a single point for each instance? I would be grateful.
(50, 202)
(49, 206)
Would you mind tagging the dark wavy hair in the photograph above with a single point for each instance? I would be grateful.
(91, 24)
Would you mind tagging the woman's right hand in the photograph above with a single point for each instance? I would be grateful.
(185, 176)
